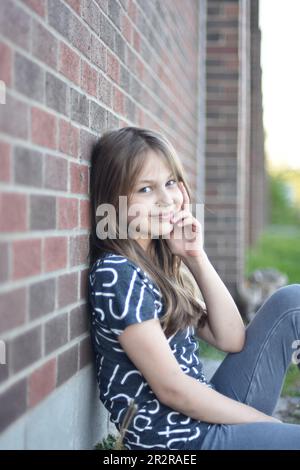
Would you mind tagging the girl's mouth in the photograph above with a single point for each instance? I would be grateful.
(165, 216)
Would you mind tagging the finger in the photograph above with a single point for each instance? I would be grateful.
(180, 215)
(196, 227)
(185, 221)
(186, 199)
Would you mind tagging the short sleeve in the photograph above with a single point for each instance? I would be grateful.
(122, 295)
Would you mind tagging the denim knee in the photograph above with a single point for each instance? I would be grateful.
(287, 297)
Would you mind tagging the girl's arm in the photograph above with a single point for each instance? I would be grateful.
(147, 347)
(225, 328)
(200, 402)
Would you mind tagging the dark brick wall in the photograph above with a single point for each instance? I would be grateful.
(73, 68)
(222, 127)
(258, 182)
(235, 185)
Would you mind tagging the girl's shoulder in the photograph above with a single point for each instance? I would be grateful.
(119, 262)
(124, 268)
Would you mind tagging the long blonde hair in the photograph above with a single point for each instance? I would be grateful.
(116, 161)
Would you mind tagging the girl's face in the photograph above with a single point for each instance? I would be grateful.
(156, 191)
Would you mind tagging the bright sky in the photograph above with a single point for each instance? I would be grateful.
(280, 62)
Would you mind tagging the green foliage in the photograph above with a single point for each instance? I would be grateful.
(278, 250)
(108, 443)
(291, 385)
(283, 211)
(209, 352)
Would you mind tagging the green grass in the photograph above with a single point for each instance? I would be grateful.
(277, 248)
(209, 352)
(291, 385)
(107, 443)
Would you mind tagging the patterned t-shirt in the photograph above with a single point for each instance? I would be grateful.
(120, 294)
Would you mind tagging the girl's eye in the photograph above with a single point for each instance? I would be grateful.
(141, 190)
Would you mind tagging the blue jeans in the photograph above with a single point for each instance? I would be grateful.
(255, 377)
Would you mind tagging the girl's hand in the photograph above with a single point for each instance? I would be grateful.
(186, 237)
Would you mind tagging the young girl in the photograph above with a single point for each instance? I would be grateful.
(146, 292)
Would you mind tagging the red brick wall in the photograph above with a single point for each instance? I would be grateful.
(72, 69)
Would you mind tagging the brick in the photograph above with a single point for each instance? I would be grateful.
(38, 6)
(124, 79)
(29, 78)
(43, 40)
(98, 53)
(13, 210)
(78, 250)
(28, 167)
(67, 289)
(118, 101)
(78, 321)
(105, 91)
(83, 284)
(114, 12)
(56, 333)
(87, 141)
(85, 214)
(59, 17)
(91, 14)
(136, 41)
(69, 63)
(113, 67)
(79, 178)
(89, 78)
(75, 4)
(4, 371)
(13, 403)
(25, 349)
(67, 364)
(85, 352)
(41, 382)
(106, 32)
(103, 4)
(57, 94)
(13, 309)
(14, 119)
(5, 173)
(15, 24)
(125, 102)
(79, 108)
(80, 37)
(126, 28)
(55, 253)
(4, 262)
(43, 128)
(68, 138)
(27, 258)
(120, 46)
(98, 117)
(56, 173)
(41, 298)
(42, 212)
(132, 10)
(67, 213)
(5, 64)
(113, 121)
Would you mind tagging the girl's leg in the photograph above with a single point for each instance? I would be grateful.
(255, 375)
(252, 436)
